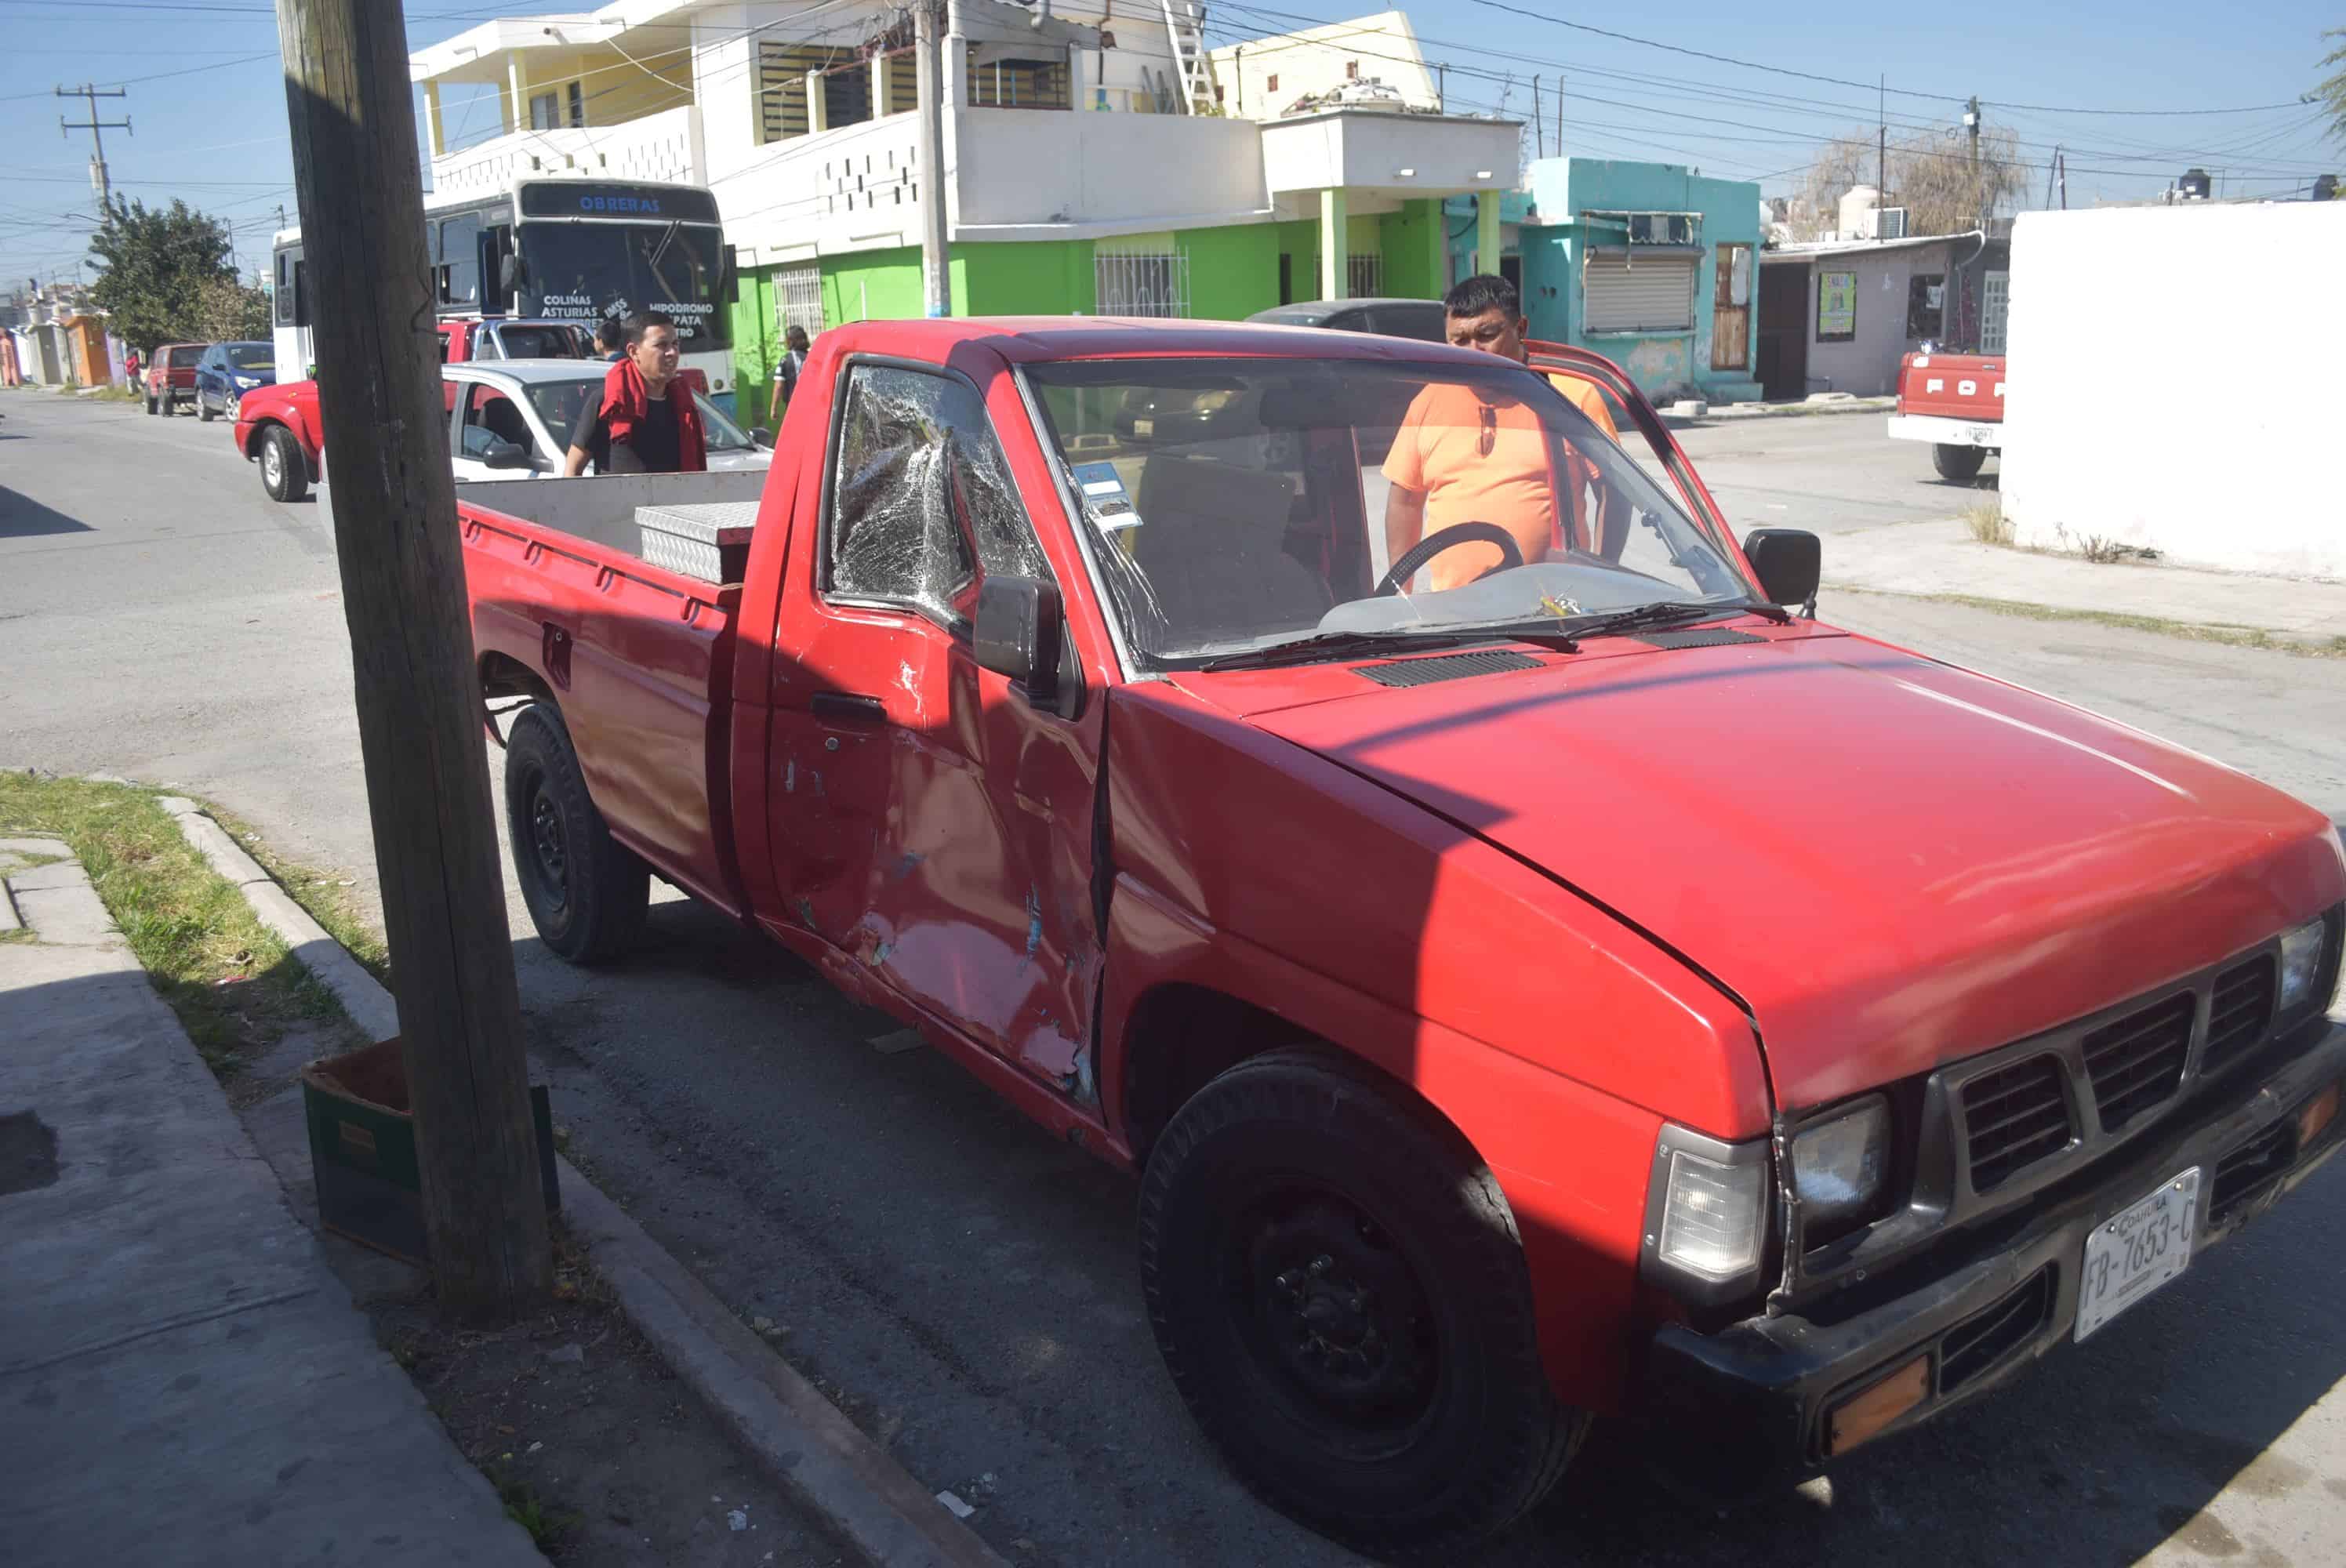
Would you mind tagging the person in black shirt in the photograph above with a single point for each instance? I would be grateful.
(645, 422)
(610, 339)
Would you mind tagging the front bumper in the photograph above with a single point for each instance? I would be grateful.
(1758, 1393)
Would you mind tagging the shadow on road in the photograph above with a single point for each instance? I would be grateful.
(949, 1268)
(22, 517)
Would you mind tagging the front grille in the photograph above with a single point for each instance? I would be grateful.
(2254, 1163)
(2012, 1117)
(1979, 1342)
(1449, 666)
(2241, 1010)
(2137, 1062)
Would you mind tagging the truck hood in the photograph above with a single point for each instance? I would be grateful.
(1890, 864)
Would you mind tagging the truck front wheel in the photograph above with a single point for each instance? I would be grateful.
(587, 893)
(1957, 462)
(1338, 1291)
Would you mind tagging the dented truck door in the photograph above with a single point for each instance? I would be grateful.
(932, 825)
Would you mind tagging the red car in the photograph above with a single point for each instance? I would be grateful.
(171, 376)
(1584, 990)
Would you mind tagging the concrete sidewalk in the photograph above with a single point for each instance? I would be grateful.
(1940, 559)
(182, 1379)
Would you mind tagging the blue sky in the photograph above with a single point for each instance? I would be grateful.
(209, 117)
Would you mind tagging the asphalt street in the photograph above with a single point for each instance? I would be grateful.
(964, 1285)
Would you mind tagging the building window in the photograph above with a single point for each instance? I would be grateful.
(1141, 275)
(578, 103)
(1625, 293)
(1995, 306)
(798, 301)
(1364, 277)
(544, 111)
(1926, 305)
(1836, 307)
(782, 87)
(1018, 76)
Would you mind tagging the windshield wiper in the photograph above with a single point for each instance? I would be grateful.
(1361, 644)
(1670, 613)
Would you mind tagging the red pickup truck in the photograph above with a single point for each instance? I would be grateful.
(170, 376)
(1954, 402)
(1585, 990)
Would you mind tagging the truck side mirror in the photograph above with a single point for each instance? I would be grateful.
(1788, 561)
(1017, 633)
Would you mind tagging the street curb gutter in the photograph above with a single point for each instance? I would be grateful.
(872, 1503)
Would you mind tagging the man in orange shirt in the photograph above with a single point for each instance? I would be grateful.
(1460, 457)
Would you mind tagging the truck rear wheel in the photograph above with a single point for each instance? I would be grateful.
(283, 473)
(587, 893)
(1338, 1291)
(1957, 462)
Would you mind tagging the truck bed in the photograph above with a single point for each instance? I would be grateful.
(636, 656)
(1967, 387)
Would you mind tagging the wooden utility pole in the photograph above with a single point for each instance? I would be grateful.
(419, 700)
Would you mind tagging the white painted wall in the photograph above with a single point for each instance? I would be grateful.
(2168, 375)
(662, 146)
(1023, 166)
(1320, 59)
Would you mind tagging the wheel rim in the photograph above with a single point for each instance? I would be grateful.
(272, 463)
(549, 846)
(1338, 1323)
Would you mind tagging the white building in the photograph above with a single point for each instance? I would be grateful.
(1373, 62)
(2152, 403)
(1086, 166)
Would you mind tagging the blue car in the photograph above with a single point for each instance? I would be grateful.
(228, 371)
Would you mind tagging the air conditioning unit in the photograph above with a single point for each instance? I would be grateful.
(1890, 223)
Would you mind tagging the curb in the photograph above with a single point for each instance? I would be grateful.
(821, 1456)
(1728, 412)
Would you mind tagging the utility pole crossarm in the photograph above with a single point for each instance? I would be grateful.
(98, 177)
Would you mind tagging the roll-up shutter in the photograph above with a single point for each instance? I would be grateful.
(1628, 293)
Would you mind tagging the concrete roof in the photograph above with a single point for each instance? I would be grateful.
(1806, 249)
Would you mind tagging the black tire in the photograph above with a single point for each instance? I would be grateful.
(587, 893)
(150, 405)
(284, 473)
(1957, 462)
(203, 409)
(166, 409)
(1339, 1294)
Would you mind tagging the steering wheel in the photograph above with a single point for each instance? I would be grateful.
(1434, 543)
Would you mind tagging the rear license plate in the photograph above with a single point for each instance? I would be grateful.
(2136, 1250)
(1984, 434)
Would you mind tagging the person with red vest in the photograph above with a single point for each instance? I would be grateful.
(646, 420)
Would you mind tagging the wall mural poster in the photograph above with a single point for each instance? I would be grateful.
(1836, 305)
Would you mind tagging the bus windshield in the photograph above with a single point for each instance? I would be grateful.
(589, 270)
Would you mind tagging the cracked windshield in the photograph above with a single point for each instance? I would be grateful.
(1238, 504)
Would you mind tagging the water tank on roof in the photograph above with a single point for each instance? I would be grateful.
(2193, 185)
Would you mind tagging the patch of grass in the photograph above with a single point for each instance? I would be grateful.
(233, 984)
(1988, 522)
(547, 1526)
(2191, 631)
(329, 898)
(116, 395)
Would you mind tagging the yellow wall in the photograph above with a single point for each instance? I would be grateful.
(615, 90)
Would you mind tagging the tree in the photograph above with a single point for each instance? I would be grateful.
(155, 265)
(227, 311)
(1932, 174)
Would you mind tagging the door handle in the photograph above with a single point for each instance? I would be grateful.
(847, 704)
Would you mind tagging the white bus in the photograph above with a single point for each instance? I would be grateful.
(579, 249)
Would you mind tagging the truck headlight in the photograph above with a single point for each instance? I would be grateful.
(1839, 1166)
(1707, 1209)
(2302, 952)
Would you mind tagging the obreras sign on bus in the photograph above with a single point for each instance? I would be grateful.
(584, 198)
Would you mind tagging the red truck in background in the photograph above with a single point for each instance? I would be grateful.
(1954, 402)
(170, 376)
(1504, 1026)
